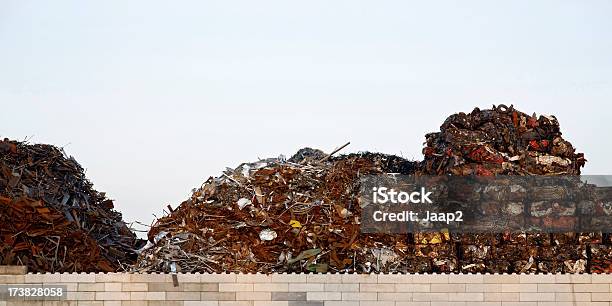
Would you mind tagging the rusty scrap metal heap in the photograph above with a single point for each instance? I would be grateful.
(52, 220)
(302, 214)
(276, 215)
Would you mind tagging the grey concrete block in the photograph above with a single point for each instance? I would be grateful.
(289, 296)
(305, 303)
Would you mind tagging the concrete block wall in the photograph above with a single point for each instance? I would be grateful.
(124, 289)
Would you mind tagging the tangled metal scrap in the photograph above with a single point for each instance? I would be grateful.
(51, 218)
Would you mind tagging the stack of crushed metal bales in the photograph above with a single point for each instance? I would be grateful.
(51, 218)
(302, 215)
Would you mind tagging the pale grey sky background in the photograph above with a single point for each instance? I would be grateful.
(153, 97)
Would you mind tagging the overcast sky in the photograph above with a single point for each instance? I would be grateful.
(153, 97)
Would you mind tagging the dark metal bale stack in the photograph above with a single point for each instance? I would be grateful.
(500, 140)
(503, 140)
(52, 220)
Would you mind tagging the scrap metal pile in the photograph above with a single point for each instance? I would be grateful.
(301, 214)
(51, 218)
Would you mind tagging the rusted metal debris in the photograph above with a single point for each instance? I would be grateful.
(51, 218)
(301, 214)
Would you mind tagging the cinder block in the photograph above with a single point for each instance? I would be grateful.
(113, 278)
(537, 296)
(466, 296)
(555, 303)
(501, 278)
(455, 303)
(272, 287)
(519, 303)
(537, 278)
(289, 296)
(165, 303)
(465, 278)
(218, 296)
(51, 277)
(91, 287)
(341, 303)
(138, 296)
(133, 303)
(342, 287)
(201, 303)
(306, 303)
(601, 278)
(484, 303)
(359, 278)
(112, 296)
(376, 303)
(395, 278)
(430, 278)
(395, 296)
(80, 296)
(112, 303)
(13, 270)
(289, 278)
(377, 287)
(483, 287)
(554, 288)
(92, 303)
(601, 296)
(13, 279)
(188, 277)
(323, 296)
(324, 278)
(412, 303)
(573, 278)
(253, 278)
(169, 287)
(147, 296)
(447, 287)
(69, 286)
(113, 286)
(33, 279)
(359, 296)
(205, 287)
(57, 303)
(573, 296)
(591, 288)
(502, 296)
(135, 287)
(150, 278)
(78, 278)
(225, 287)
(236, 303)
(519, 288)
(253, 296)
(412, 287)
(430, 296)
(218, 278)
(299, 287)
(271, 303)
(182, 296)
